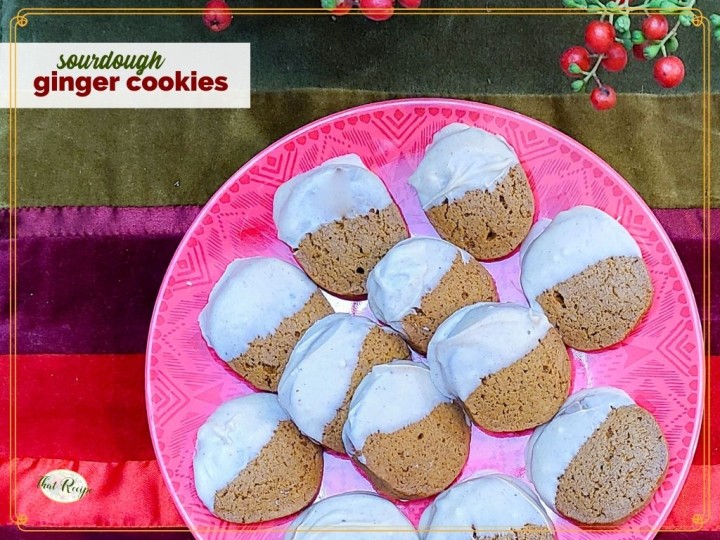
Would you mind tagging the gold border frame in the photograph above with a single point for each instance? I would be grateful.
(20, 20)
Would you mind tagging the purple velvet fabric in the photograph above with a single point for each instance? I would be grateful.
(88, 276)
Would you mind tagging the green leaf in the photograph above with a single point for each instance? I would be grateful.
(685, 20)
(670, 6)
(628, 43)
(611, 5)
(328, 4)
(715, 19)
(577, 86)
(594, 9)
(651, 51)
(622, 23)
(574, 69)
(671, 45)
(570, 3)
(637, 37)
(655, 3)
(716, 34)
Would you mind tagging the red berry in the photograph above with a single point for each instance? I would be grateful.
(639, 50)
(377, 10)
(655, 27)
(575, 55)
(603, 98)
(599, 35)
(410, 4)
(669, 71)
(342, 7)
(215, 16)
(616, 58)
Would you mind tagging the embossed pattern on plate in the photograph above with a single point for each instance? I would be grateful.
(660, 364)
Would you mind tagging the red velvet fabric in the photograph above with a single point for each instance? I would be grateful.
(87, 283)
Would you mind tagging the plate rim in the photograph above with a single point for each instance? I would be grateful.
(429, 102)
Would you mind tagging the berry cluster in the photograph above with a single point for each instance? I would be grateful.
(609, 40)
(217, 15)
(375, 10)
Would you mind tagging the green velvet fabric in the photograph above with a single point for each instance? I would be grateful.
(431, 54)
(306, 67)
(163, 157)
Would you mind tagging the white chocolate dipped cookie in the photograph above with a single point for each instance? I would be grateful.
(411, 440)
(255, 315)
(490, 505)
(504, 362)
(474, 191)
(340, 220)
(600, 459)
(326, 366)
(420, 282)
(252, 464)
(357, 515)
(586, 272)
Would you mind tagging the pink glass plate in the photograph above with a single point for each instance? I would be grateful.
(660, 364)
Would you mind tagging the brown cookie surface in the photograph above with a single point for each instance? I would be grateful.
(600, 306)
(462, 285)
(379, 347)
(340, 255)
(616, 471)
(528, 532)
(488, 224)
(525, 394)
(421, 459)
(281, 480)
(264, 361)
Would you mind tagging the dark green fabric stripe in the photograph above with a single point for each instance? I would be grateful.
(432, 54)
(173, 157)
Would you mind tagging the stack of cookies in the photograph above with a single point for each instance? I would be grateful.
(398, 394)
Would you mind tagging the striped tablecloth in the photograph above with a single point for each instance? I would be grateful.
(106, 195)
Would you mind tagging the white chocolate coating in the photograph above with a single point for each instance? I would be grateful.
(317, 376)
(342, 187)
(574, 240)
(487, 505)
(408, 271)
(460, 159)
(230, 439)
(554, 445)
(479, 340)
(250, 300)
(392, 396)
(344, 516)
(535, 231)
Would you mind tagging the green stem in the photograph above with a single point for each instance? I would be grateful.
(625, 8)
(592, 73)
(670, 34)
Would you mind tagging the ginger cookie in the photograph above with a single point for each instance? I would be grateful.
(340, 220)
(504, 362)
(409, 439)
(252, 464)
(474, 191)
(256, 314)
(600, 459)
(420, 282)
(489, 505)
(357, 515)
(586, 272)
(326, 366)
